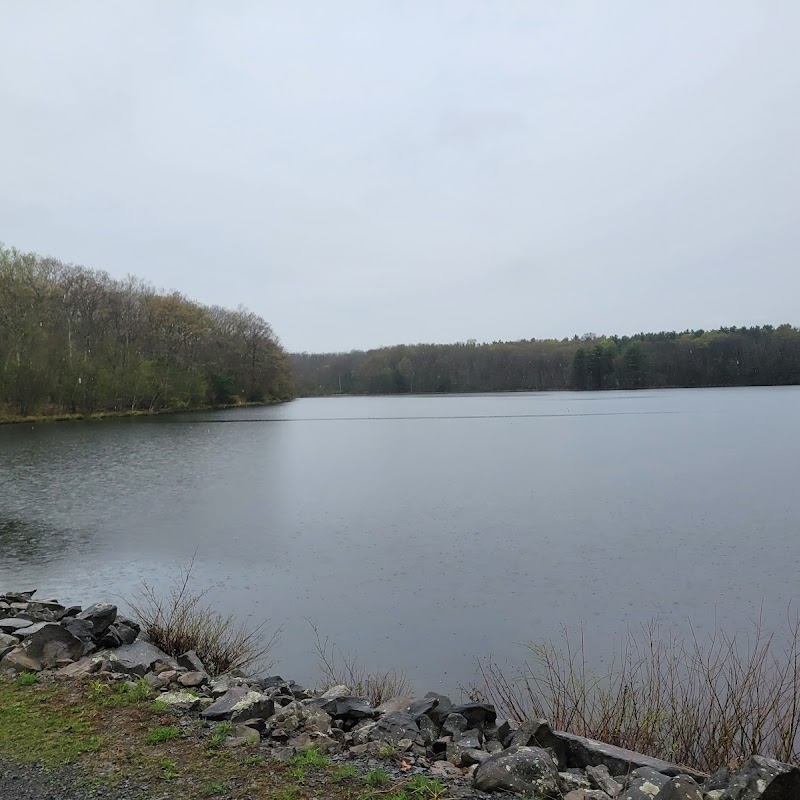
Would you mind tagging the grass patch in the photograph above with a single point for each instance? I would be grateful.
(32, 731)
(311, 757)
(377, 778)
(27, 679)
(214, 788)
(164, 733)
(421, 787)
(345, 772)
(169, 769)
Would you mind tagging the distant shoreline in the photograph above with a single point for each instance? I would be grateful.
(9, 419)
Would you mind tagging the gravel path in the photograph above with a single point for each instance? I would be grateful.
(26, 782)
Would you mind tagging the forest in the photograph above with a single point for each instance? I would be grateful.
(756, 356)
(76, 341)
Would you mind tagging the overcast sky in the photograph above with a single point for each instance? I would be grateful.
(368, 173)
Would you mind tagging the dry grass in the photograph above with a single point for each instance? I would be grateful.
(340, 668)
(180, 620)
(700, 702)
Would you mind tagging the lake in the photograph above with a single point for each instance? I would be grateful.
(423, 531)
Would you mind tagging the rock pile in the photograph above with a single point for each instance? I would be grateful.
(430, 733)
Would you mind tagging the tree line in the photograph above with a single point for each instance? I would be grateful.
(75, 340)
(756, 356)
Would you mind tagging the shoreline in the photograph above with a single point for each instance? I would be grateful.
(33, 419)
(87, 688)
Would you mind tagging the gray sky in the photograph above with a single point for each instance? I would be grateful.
(367, 173)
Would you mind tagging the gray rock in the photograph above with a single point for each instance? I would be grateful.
(140, 657)
(299, 716)
(190, 679)
(582, 752)
(762, 778)
(17, 660)
(429, 730)
(573, 779)
(681, 787)
(521, 770)
(12, 624)
(334, 692)
(473, 756)
(600, 778)
(81, 629)
(586, 794)
(505, 731)
(347, 707)
(240, 703)
(7, 640)
(125, 631)
(182, 701)
(442, 708)
(243, 736)
(454, 725)
(644, 783)
(394, 727)
(191, 661)
(101, 615)
(154, 682)
(50, 643)
(476, 714)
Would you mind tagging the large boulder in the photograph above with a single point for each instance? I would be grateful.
(101, 615)
(522, 770)
(762, 778)
(140, 657)
(391, 728)
(82, 629)
(17, 660)
(48, 643)
(12, 624)
(476, 714)
(347, 707)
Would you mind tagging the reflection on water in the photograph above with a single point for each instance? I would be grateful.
(421, 531)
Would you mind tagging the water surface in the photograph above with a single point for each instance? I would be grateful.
(420, 532)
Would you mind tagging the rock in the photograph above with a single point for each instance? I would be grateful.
(442, 708)
(505, 731)
(49, 643)
(472, 756)
(429, 730)
(586, 794)
(141, 656)
(154, 681)
(537, 733)
(476, 714)
(256, 722)
(444, 769)
(219, 686)
(192, 679)
(582, 752)
(101, 615)
(347, 707)
(7, 640)
(243, 736)
(681, 787)
(5, 649)
(182, 701)
(270, 682)
(17, 660)
(335, 692)
(521, 770)
(394, 727)
(81, 629)
(644, 783)
(573, 779)
(125, 631)
(191, 661)
(110, 638)
(12, 624)
(320, 741)
(454, 725)
(761, 778)
(600, 778)
(81, 668)
(240, 703)
(282, 753)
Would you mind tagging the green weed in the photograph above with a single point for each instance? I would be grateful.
(27, 679)
(164, 733)
(377, 778)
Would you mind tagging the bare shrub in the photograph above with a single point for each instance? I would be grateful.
(340, 668)
(179, 620)
(700, 702)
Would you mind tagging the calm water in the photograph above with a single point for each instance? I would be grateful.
(422, 531)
